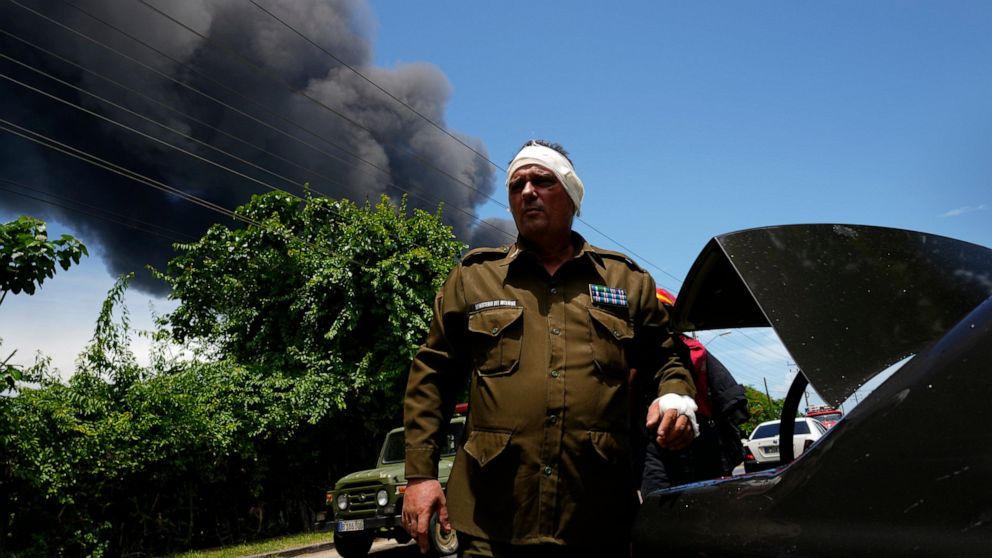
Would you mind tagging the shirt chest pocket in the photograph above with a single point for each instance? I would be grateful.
(610, 335)
(496, 340)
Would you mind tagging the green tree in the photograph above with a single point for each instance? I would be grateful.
(334, 295)
(122, 460)
(762, 408)
(326, 301)
(27, 258)
(311, 314)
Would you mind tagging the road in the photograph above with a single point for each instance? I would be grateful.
(387, 548)
(381, 548)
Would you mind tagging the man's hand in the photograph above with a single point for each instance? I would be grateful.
(672, 430)
(422, 498)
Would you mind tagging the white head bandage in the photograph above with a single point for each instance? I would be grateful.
(556, 163)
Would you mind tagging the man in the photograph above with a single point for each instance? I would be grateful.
(545, 332)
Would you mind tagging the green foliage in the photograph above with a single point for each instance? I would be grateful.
(11, 372)
(332, 294)
(115, 461)
(311, 317)
(27, 258)
(762, 408)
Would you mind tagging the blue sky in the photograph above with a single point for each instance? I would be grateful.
(686, 120)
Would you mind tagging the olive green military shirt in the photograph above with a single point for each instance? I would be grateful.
(548, 360)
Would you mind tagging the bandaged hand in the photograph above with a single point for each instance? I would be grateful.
(673, 419)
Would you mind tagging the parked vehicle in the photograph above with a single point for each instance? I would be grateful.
(762, 450)
(368, 504)
(828, 416)
(906, 472)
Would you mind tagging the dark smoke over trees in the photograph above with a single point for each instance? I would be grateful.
(219, 100)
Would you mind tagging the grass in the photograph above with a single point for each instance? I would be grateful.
(258, 547)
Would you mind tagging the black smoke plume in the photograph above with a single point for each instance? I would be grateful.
(155, 90)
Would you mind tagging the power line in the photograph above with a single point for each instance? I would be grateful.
(209, 146)
(138, 132)
(764, 355)
(166, 106)
(86, 157)
(468, 213)
(94, 160)
(764, 346)
(194, 89)
(96, 212)
(146, 119)
(743, 371)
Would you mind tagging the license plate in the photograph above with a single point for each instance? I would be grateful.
(346, 525)
(773, 450)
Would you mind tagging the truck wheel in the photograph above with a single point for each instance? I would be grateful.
(354, 545)
(443, 543)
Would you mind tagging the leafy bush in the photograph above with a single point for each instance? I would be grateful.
(302, 324)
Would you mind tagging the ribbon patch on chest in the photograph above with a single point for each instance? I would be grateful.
(601, 294)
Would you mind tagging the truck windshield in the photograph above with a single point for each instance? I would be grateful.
(394, 451)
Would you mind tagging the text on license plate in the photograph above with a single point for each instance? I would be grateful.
(346, 525)
(771, 450)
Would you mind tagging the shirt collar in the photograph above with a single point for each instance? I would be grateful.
(580, 249)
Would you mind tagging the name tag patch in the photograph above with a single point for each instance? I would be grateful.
(487, 304)
(601, 294)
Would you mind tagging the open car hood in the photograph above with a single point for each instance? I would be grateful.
(805, 281)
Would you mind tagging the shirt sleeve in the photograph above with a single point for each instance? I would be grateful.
(667, 367)
(437, 375)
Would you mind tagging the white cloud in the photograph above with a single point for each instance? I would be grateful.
(964, 209)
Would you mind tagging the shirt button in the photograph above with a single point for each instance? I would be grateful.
(553, 419)
(554, 290)
(548, 470)
(615, 334)
(496, 330)
(557, 331)
(555, 373)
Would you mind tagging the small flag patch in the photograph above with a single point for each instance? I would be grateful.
(601, 294)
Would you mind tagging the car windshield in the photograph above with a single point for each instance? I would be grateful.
(396, 453)
(827, 417)
(771, 430)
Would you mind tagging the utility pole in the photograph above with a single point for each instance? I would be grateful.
(767, 394)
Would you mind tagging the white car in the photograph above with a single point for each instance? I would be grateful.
(763, 445)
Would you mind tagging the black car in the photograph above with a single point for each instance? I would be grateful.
(908, 471)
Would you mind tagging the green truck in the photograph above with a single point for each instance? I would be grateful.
(368, 504)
